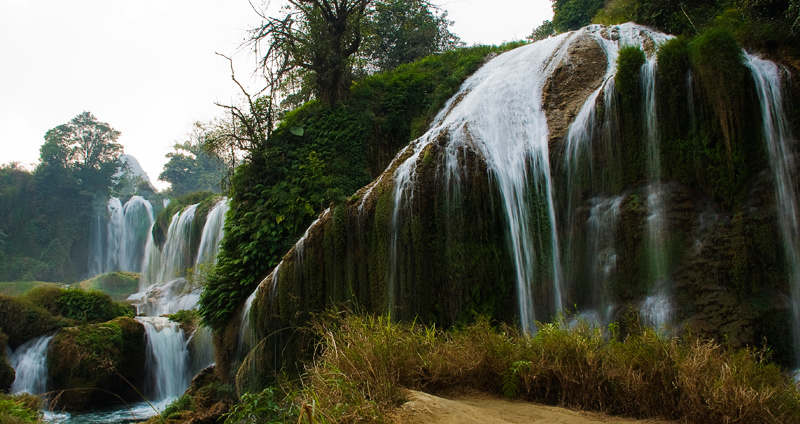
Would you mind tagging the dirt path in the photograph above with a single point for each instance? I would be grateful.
(423, 408)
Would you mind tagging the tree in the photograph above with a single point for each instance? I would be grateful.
(84, 148)
(402, 31)
(316, 36)
(192, 168)
(573, 14)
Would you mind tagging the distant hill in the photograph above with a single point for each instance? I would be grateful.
(136, 168)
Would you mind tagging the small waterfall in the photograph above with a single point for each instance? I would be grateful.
(118, 238)
(29, 361)
(656, 309)
(139, 219)
(164, 289)
(602, 225)
(778, 137)
(176, 254)
(212, 233)
(167, 358)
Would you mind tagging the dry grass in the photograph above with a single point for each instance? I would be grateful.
(364, 362)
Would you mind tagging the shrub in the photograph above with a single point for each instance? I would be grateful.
(629, 66)
(90, 306)
(364, 362)
(19, 409)
(183, 403)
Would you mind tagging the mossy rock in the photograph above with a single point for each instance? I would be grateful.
(7, 373)
(91, 363)
(22, 321)
(119, 285)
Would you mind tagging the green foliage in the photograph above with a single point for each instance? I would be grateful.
(182, 403)
(21, 320)
(545, 30)
(569, 15)
(629, 66)
(190, 169)
(754, 22)
(402, 31)
(98, 356)
(263, 407)
(510, 378)
(90, 306)
(616, 12)
(85, 148)
(19, 409)
(184, 316)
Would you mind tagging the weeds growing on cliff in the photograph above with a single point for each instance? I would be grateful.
(364, 363)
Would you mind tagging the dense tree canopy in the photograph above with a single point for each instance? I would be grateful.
(85, 148)
(402, 31)
(190, 168)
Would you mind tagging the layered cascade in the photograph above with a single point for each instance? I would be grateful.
(553, 185)
(118, 236)
(172, 274)
(173, 357)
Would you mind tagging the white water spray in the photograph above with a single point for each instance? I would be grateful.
(167, 358)
(29, 361)
(782, 161)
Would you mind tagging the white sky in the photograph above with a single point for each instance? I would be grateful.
(149, 69)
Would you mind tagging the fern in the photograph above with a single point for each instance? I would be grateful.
(511, 378)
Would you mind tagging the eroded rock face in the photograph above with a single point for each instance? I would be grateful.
(573, 80)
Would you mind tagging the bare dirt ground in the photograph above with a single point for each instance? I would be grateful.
(423, 408)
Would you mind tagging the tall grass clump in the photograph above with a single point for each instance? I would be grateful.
(364, 363)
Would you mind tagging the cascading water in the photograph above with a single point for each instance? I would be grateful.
(167, 358)
(29, 361)
(212, 233)
(656, 308)
(118, 242)
(602, 231)
(498, 111)
(782, 161)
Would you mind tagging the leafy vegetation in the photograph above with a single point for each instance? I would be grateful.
(20, 409)
(191, 168)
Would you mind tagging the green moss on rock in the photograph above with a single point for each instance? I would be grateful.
(94, 358)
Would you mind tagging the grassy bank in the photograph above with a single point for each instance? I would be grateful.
(363, 364)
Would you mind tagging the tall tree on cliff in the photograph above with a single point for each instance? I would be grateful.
(314, 37)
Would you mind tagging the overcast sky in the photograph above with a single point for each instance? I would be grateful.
(149, 69)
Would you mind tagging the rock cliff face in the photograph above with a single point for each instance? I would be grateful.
(534, 193)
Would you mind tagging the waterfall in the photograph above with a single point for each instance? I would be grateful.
(602, 225)
(167, 358)
(117, 243)
(164, 289)
(656, 309)
(29, 361)
(212, 233)
(782, 161)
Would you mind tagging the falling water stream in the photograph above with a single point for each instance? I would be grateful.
(782, 161)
